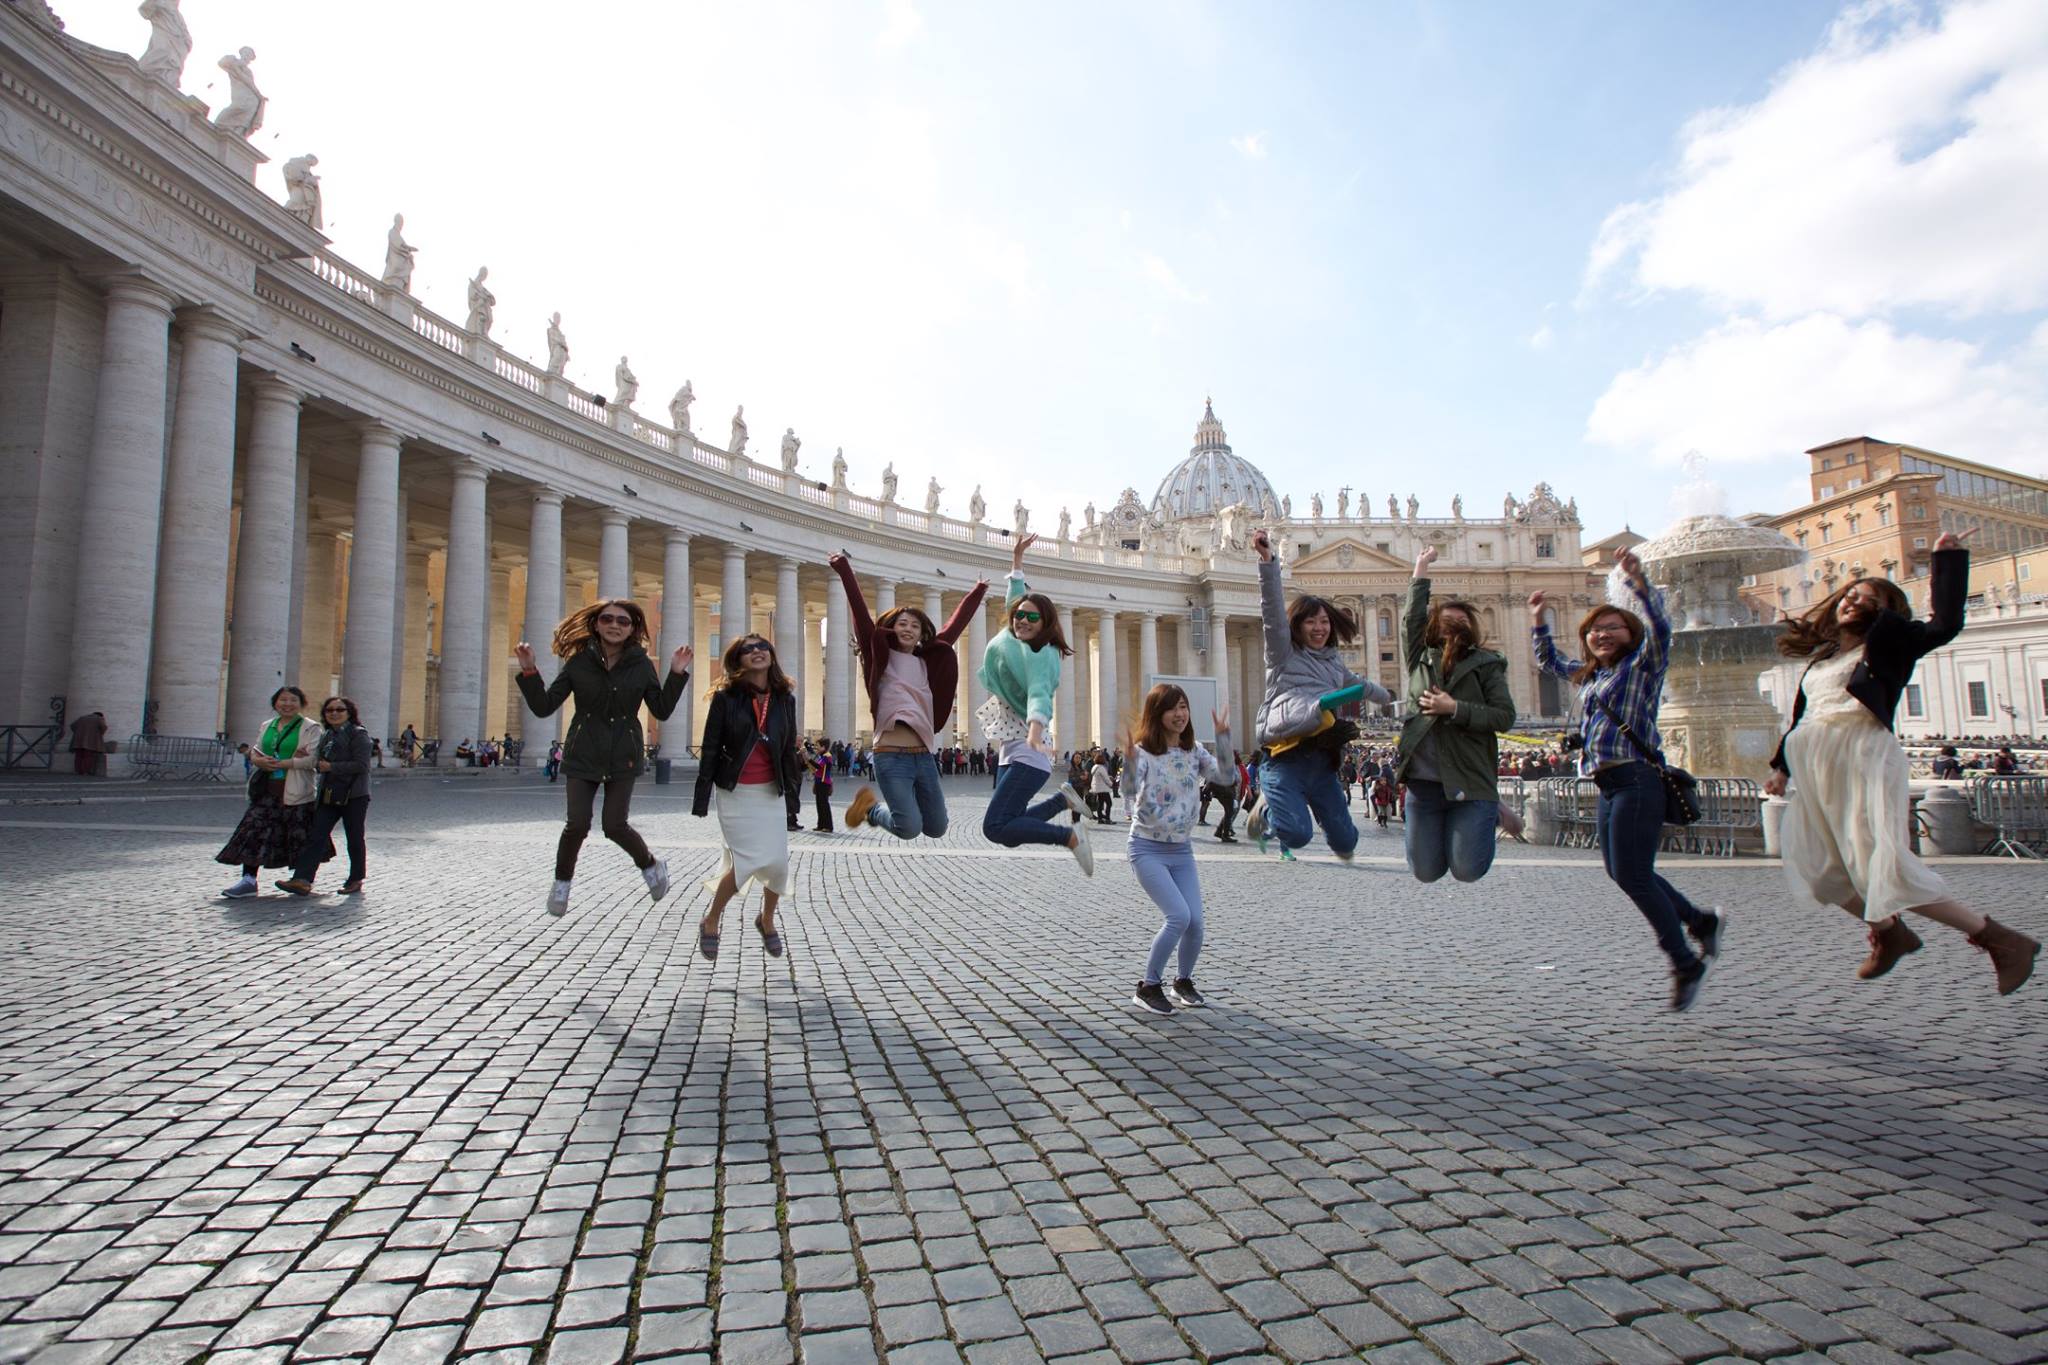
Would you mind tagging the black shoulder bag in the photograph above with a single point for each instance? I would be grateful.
(1681, 788)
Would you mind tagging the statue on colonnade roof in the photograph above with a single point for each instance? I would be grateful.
(739, 430)
(244, 112)
(889, 482)
(170, 43)
(558, 347)
(399, 257)
(628, 385)
(679, 408)
(931, 497)
(302, 190)
(483, 305)
(790, 445)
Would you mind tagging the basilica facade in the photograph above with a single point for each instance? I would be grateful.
(233, 460)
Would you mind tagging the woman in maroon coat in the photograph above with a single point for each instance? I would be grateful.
(912, 676)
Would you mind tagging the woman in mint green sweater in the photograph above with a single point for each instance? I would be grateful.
(1021, 669)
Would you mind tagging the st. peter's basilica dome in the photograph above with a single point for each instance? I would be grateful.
(1211, 478)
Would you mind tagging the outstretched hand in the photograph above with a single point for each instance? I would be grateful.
(1950, 540)
(1774, 785)
(1263, 544)
(1423, 560)
(524, 653)
(1221, 719)
(1630, 566)
(1536, 606)
(835, 560)
(1017, 549)
(679, 662)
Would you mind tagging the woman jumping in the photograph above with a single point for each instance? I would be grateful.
(749, 760)
(1164, 773)
(1021, 669)
(603, 649)
(1844, 836)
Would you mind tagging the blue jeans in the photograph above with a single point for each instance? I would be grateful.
(1167, 872)
(1448, 836)
(1631, 826)
(1012, 819)
(1296, 789)
(912, 803)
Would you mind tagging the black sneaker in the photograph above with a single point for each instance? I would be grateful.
(1152, 998)
(1185, 992)
(1685, 985)
(1709, 938)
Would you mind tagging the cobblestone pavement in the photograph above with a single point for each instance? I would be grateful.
(1418, 1123)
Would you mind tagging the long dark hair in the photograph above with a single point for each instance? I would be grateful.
(1815, 631)
(886, 623)
(1455, 643)
(1151, 734)
(579, 627)
(735, 675)
(1343, 625)
(1049, 632)
(1635, 638)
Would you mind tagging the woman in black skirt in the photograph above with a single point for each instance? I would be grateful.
(279, 819)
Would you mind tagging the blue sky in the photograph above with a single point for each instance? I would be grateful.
(1426, 248)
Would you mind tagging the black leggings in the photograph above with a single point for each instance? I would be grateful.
(618, 799)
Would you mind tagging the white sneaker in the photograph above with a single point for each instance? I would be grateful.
(558, 899)
(245, 886)
(656, 878)
(1073, 799)
(1083, 854)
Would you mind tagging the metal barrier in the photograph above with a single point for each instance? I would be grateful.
(2016, 808)
(1730, 807)
(183, 757)
(27, 746)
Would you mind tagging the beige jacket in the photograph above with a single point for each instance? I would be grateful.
(301, 783)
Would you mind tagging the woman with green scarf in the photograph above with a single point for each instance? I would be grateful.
(281, 786)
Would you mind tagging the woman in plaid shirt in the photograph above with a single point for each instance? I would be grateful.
(1623, 673)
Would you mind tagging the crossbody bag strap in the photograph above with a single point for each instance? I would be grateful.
(1655, 756)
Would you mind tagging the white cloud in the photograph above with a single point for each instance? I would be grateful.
(1904, 163)
(900, 23)
(1542, 339)
(1252, 146)
(1750, 391)
(1169, 281)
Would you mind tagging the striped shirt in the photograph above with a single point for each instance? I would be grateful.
(1631, 685)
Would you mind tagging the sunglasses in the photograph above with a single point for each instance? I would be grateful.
(335, 710)
(1033, 617)
(758, 647)
(613, 619)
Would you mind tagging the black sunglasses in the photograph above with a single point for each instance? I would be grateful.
(758, 647)
(613, 619)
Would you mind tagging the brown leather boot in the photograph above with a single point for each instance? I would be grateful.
(2012, 953)
(1888, 943)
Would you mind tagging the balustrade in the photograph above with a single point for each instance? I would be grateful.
(438, 330)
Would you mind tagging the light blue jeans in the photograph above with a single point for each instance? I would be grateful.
(1167, 873)
(912, 802)
(1448, 836)
(1302, 787)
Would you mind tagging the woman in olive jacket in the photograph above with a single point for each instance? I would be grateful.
(603, 648)
(746, 765)
(1450, 747)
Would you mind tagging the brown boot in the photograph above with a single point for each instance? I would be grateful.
(1888, 943)
(2012, 953)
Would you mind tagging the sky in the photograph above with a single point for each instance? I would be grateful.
(1406, 246)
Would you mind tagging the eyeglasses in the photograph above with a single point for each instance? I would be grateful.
(334, 710)
(1607, 629)
(614, 619)
(1033, 617)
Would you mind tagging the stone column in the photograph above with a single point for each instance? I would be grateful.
(192, 565)
(373, 582)
(678, 628)
(735, 611)
(543, 613)
(885, 595)
(1148, 650)
(840, 663)
(1084, 684)
(466, 581)
(319, 616)
(789, 628)
(263, 557)
(1108, 683)
(497, 721)
(399, 563)
(812, 701)
(117, 533)
(302, 520)
(614, 556)
(977, 693)
(413, 696)
(1066, 720)
(1219, 669)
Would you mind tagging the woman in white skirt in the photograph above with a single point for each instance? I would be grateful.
(747, 763)
(1845, 836)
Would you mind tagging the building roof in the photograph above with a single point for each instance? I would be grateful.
(1211, 478)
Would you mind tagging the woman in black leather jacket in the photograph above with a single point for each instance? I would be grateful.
(747, 763)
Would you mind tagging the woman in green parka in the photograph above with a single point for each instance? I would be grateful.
(1450, 747)
(603, 648)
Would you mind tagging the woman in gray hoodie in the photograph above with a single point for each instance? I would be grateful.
(1308, 688)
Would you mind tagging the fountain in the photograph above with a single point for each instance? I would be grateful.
(1713, 719)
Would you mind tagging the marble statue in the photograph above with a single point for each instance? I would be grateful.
(1088, 515)
(302, 190)
(628, 385)
(558, 347)
(1066, 522)
(679, 408)
(398, 257)
(976, 508)
(839, 468)
(1343, 503)
(170, 43)
(1023, 517)
(1412, 506)
(1287, 506)
(1315, 506)
(1233, 527)
(739, 430)
(482, 305)
(1458, 506)
(931, 497)
(1393, 508)
(1571, 510)
(889, 482)
(1507, 506)
(244, 112)
(790, 445)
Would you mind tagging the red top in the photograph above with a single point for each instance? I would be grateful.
(758, 767)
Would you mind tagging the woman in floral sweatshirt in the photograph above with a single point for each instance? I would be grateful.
(1164, 773)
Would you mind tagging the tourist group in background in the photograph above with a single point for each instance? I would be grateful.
(1845, 829)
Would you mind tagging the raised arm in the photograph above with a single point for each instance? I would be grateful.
(1017, 587)
(856, 600)
(662, 697)
(1272, 605)
(1951, 585)
(964, 613)
(1655, 651)
(1416, 616)
(543, 699)
(1547, 657)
